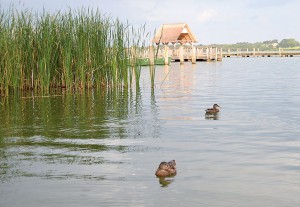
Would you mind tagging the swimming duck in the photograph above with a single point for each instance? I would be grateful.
(166, 169)
(213, 110)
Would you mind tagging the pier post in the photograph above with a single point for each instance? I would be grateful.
(166, 55)
(181, 54)
(207, 53)
(253, 52)
(279, 52)
(210, 53)
(221, 52)
(194, 55)
(151, 55)
(216, 54)
(221, 55)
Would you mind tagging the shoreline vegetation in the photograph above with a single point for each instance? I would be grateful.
(268, 45)
(76, 50)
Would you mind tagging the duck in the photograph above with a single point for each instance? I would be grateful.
(215, 109)
(166, 169)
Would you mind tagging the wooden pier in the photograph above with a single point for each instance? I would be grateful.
(196, 53)
(176, 42)
(182, 54)
(257, 53)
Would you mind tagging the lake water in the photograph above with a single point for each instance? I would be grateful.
(102, 148)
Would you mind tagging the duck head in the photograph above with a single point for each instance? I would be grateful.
(216, 106)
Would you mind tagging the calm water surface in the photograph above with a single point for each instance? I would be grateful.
(102, 148)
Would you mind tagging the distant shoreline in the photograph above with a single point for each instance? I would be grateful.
(268, 45)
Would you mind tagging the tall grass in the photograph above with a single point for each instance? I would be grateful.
(75, 50)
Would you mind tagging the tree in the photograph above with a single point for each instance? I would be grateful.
(289, 43)
(268, 42)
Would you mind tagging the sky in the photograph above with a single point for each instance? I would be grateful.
(212, 21)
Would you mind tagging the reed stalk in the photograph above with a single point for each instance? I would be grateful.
(76, 50)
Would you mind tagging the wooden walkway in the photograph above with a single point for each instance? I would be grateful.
(256, 53)
(195, 53)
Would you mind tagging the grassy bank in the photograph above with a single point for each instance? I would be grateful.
(74, 50)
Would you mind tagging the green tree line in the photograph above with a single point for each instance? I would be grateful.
(290, 43)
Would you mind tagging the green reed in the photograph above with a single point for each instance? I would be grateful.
(75, 50)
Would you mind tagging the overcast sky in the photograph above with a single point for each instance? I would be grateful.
(212, 21)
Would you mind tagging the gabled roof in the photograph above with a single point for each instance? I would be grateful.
(174, 33)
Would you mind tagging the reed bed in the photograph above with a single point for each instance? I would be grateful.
(76, 50)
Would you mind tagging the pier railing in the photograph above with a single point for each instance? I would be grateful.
(199, 53)
(257, 53)
(183, 53)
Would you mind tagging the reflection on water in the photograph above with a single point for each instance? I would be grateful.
(70, 129)
(212, 116)
(165, 181)
(101, 147)
(99, 114)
